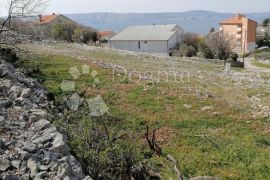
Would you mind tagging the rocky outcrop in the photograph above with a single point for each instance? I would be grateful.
(31, 147)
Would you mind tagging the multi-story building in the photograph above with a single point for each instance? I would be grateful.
(243, 30)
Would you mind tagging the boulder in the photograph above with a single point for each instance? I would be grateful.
(59, 144)
(16, 163)
(32, 165)
(41, 125)
(5, 103)
(4, 164)
(29, 147)
(26, 93)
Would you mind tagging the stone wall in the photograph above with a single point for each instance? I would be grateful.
(31, 147)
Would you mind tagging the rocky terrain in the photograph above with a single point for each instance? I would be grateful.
(31, 147)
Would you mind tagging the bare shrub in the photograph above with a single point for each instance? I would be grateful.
(222, 44)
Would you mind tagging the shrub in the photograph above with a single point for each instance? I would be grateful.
(191, 39)
(187, 51)
(105, 146)
(263, 41)
(103, 40)
(83, 35)
(206, 51)
(9, 55)
(63, 31)
(234, 57)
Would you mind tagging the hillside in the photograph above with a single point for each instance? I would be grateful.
(193, 21)
(212, 124)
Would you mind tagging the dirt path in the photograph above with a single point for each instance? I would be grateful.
(249, 67)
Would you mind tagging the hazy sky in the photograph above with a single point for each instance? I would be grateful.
(84, 6)
(76, 6)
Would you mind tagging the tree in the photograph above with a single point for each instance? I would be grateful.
(266, 22)
(212, 29)
(222, 44)
(21, 8)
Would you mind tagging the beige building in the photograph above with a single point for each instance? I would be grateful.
(243, 30)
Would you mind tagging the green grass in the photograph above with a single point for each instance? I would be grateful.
(259, 64)
(221, 144)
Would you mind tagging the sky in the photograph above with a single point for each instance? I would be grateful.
(84, 6)
(148, 6)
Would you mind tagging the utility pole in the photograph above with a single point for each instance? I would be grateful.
(244, 43)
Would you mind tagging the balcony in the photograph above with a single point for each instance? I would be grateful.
(238, 36)
(239, 29)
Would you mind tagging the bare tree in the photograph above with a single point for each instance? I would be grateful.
(222, 44)
(21, 8)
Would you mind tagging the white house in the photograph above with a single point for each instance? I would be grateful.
(159, 39)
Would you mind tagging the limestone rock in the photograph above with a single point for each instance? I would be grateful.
(4, 164)
(29, 147)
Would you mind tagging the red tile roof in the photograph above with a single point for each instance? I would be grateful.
(105, 33)
(47, 18)
(238, 19)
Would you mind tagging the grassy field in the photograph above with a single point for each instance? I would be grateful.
(259, 64)
(204, 119)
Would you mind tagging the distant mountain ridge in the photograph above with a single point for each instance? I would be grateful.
(193, 21)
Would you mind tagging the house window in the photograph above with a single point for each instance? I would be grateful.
(139, 45)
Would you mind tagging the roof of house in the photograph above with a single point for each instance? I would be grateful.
(146, 33)
(106, 33)
(46, 19)
(237, 19)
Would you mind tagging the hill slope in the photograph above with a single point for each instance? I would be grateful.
(194, 21)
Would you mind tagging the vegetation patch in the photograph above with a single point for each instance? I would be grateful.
(208, 132)
(259, 64)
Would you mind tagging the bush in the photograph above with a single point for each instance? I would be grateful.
(206, 51)
(263, 41)
(63, 31)
(105, 146)
(103, 40)
(187, 51)
(8, 55)
(191, 39)
(83, 35)
(234, 57)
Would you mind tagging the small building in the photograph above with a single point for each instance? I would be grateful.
(45, 23)
(106, 35)
(160, 39)
(244, 31)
